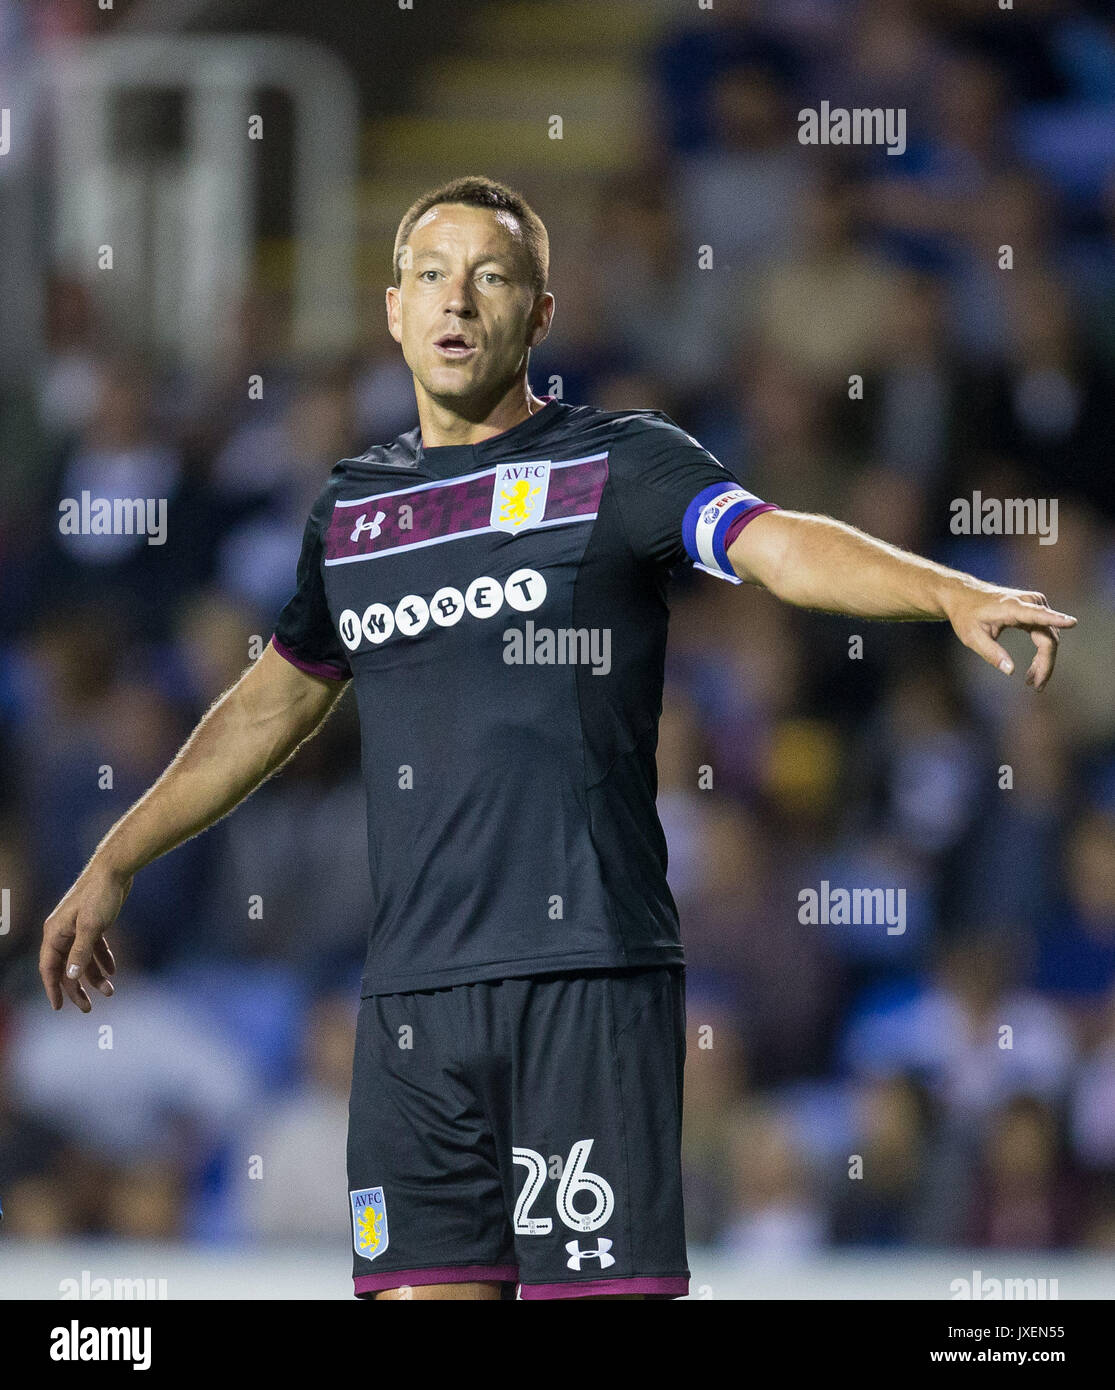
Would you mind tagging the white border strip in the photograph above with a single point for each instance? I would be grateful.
(466, 478)
(456, 536)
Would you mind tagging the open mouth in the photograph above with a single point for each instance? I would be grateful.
(454, 345)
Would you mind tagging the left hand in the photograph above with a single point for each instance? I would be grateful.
(979, 613)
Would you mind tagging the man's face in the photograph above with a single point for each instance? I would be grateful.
(464, 312)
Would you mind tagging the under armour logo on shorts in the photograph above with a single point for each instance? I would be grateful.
(576, 1254)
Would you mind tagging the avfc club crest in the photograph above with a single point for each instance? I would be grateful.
(519, 496)
(369, 1222)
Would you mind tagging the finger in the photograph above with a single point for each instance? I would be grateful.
(79, 960)
(58, 936)
(52, 960)
(981, 642)
(1041, 668)
(95, 976)
(81, 951)
(1019, 613)
(75, 993)
(102, 954)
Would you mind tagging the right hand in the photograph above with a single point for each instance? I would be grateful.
(75, 952)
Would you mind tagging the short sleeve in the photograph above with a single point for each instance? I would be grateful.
(304, 631)
(677, 502)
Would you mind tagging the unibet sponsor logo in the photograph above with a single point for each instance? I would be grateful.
(522, 591)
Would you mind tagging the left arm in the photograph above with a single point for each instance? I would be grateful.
(816, 562)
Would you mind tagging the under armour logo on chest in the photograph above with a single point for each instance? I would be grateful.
(371, 527)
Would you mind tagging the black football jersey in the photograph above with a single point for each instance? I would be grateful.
(502, 609)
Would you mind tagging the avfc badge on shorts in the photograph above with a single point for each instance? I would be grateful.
(519, 496)
(369, 1222)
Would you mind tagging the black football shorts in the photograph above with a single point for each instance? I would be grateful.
(522, 1132)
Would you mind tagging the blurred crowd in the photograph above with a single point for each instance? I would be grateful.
(949, 1085)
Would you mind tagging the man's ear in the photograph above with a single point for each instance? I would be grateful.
(394, 327)
(543, 317)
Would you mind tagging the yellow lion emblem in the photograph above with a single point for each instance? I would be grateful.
(369, 1230)
(516, 502)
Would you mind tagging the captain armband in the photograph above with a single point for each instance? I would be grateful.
(713, 520)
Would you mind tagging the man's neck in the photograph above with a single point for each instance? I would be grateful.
(441, 425)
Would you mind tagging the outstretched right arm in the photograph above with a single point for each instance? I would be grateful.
(247, 735)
